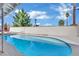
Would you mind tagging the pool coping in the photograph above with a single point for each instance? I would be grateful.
(58, 37)
(44, 35)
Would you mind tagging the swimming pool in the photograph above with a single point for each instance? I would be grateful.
(39, 46)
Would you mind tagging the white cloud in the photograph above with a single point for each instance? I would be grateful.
(43, 17)
(62, 9)
(17, 10)
(47, 24)
(0, 24)
(63, 17)
(39, 15)
(34, 14)
(38, 23)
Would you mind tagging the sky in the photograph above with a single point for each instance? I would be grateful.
(47, 14)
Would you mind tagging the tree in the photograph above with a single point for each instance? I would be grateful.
(21, 18)
(61, 22)
(67, 15)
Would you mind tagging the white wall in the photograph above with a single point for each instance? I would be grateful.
(62, 31)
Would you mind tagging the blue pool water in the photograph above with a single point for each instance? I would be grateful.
(39, 46)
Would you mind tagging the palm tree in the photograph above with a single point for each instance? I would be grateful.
(61, 22)
(67, 15)
(21, 19)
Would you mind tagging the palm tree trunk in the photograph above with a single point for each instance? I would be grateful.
(74, 14)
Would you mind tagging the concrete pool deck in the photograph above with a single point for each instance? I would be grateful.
(9, 50)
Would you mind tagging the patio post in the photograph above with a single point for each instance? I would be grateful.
(2, 17)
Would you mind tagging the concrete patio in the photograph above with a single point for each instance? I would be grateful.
(9, 50)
